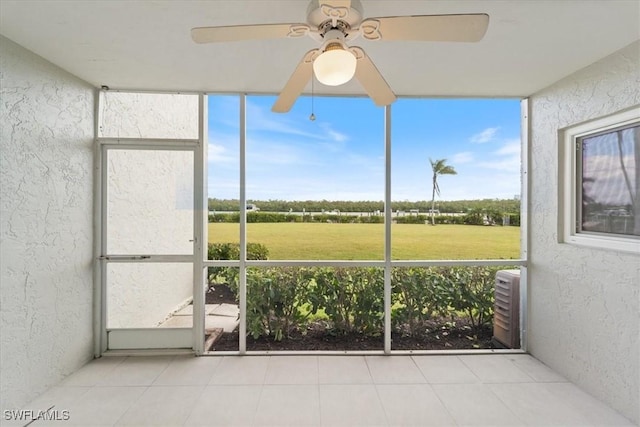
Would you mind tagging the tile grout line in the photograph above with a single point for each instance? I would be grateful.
(147, 388)
(375, 387)
(444, 406)
(264, 379)
(470, 370)
(173, 358)
(384, 411)
(131, 405)
(195, 403)
(517, 415)
(532, 380)
(98, 382)
(318, 387)
(419, 370)
(515, 365)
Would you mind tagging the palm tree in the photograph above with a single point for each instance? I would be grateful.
(439, 167)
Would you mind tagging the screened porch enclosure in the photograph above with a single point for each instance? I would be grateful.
(71, 293)
(231, 273)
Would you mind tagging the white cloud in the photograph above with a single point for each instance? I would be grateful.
(509, 164)
(224, 188)
(218, 154)
(507, 158)
(260, 119)
(463, 157)
(223, 153)
(265, 152)
(510, 147)
(332, 134)
(486, 135)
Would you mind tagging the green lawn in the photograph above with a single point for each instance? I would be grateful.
(312, 241)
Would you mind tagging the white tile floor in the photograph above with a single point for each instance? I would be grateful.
(481, 390)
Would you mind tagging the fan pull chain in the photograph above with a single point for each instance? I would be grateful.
(312, 117)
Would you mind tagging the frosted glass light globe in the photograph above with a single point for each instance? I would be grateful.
(335, 66)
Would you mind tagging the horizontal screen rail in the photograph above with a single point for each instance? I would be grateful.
(339, 263)
(147, 258)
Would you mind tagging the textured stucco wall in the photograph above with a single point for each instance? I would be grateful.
(46, 194)
(149, 115)
(584, 304)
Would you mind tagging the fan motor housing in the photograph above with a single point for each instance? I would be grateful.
(318, 15)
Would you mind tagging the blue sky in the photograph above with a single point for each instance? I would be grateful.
(340, 155)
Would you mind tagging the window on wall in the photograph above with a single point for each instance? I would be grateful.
(602, 182)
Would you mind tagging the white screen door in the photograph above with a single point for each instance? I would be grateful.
(148, 234)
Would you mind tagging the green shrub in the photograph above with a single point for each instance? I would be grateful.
(372, 219)
(419, 294)
(253, 217)
(231, 251)
(274, 300)
(414, 299)
(352, 298)
(514, 219)
(224, 217)
(335, 218)
(470, 290)
(222, 251)
(412, 219)
(449, 219)
(475, 217)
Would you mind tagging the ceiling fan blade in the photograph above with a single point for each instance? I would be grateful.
(437, 28)
(247, 32)
(371, 79)
(296, 83)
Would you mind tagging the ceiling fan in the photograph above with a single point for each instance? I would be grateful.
(333, 23)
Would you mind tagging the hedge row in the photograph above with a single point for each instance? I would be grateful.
(226, 251)
(471, 218)
(350, 299)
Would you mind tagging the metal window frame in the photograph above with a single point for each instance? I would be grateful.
(525, 134)
(387, 263)
(200, 263)
(569, 186)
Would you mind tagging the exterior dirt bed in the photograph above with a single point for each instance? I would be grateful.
(442, 334)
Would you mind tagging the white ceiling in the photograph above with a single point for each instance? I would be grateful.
(146, 44)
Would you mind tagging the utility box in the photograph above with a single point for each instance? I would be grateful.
(506, 311)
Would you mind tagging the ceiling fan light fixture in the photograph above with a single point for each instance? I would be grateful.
(335, 66)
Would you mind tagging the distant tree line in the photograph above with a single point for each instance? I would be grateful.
(423, 206)
(473, 217)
